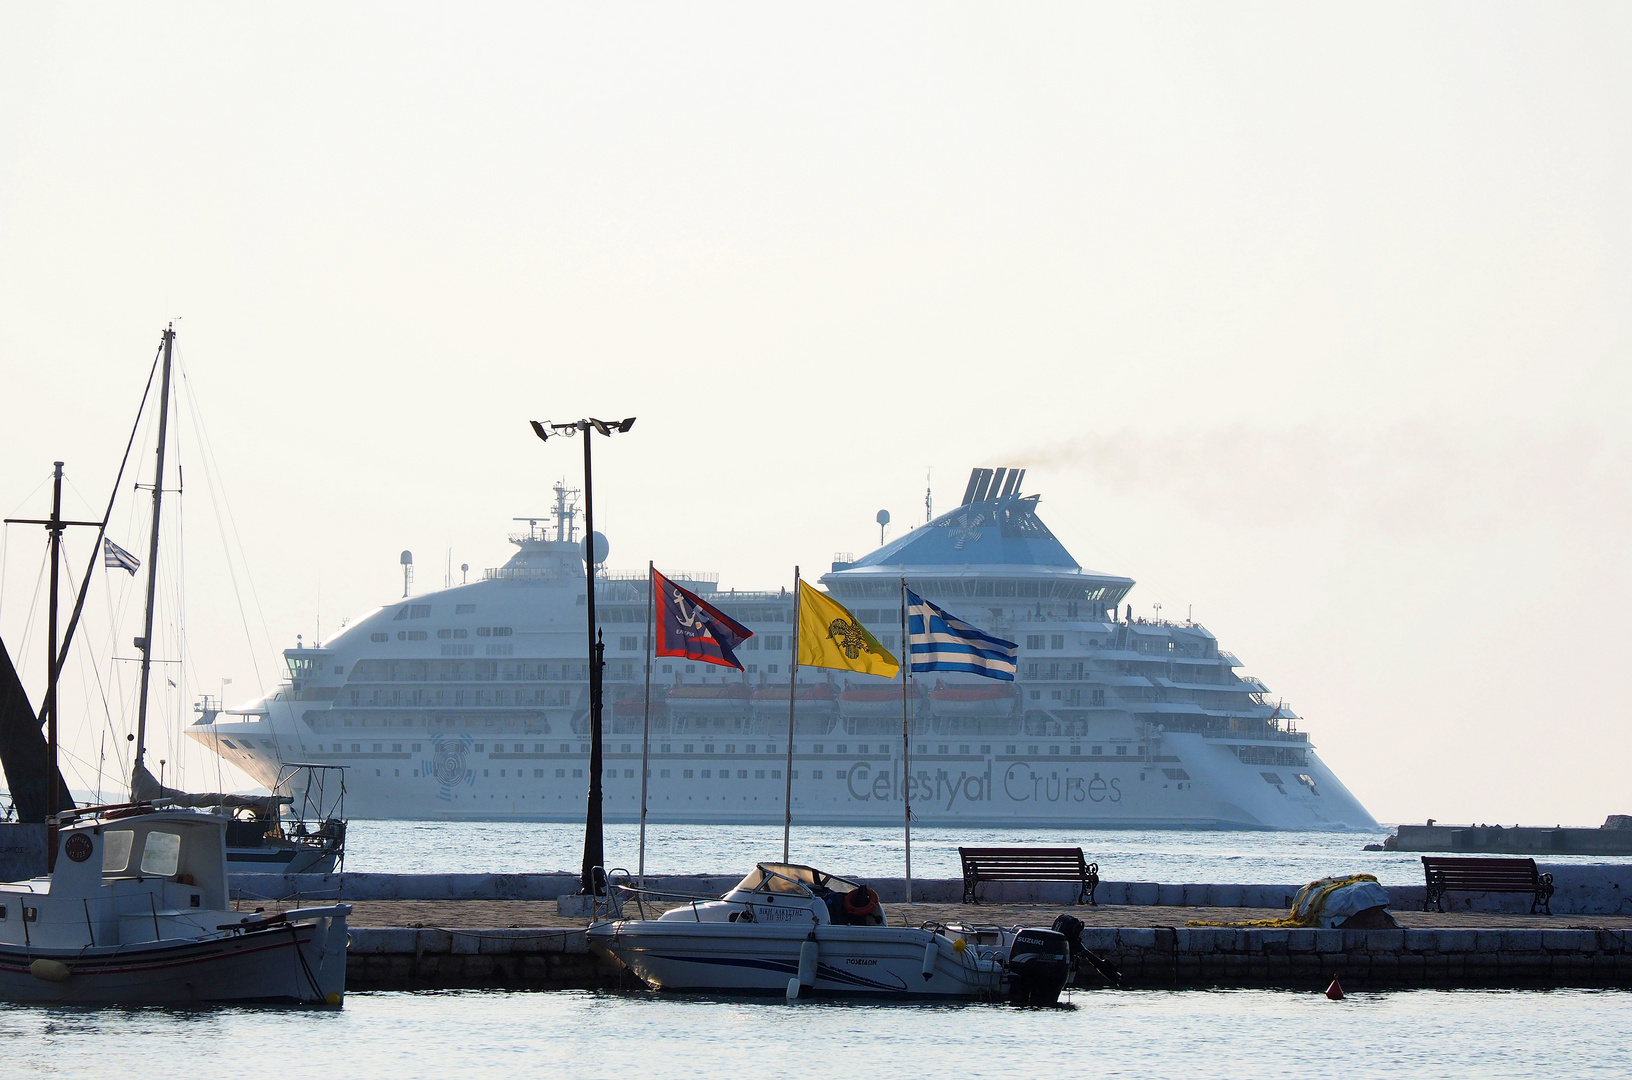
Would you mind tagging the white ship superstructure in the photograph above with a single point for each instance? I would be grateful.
(472, 702)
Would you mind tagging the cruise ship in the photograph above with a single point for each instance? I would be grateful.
(471, 702)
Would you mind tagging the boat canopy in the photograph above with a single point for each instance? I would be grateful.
(791, 878)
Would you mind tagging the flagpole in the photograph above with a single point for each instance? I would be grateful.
(646, 725)
(906, 740)
(793, 680)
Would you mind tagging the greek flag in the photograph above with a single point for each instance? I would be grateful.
(117, 558)
(937, 641)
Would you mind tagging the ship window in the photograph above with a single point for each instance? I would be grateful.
(776, 774)
(416, 748)
(751, 643)
(708, 748)
(560, 772)
(161, 853)
(356, 748)
(773, 641)
(538, 774)
(1098, 751)
(816, 774)
(707, 773)
(1036, 695)
(464, 609)
(668, 669)
(1034, 641)
(379, 748)
(1056, 641)
(228, 742)
(116, 850)
(687, 749)
(577, 772)
(1007, 749)
(379, 637)
(628, 774)
(1054, 750)
(742, 774)
(1075, 750)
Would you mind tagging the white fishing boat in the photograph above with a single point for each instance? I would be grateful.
(790, 929)
(135, 911)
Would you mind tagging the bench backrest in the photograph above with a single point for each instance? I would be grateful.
(1024, 863)
(1481, 874)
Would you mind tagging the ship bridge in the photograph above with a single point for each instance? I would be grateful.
(993, 545)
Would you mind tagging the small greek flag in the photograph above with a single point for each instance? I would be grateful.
(115, 557)
(937, 641)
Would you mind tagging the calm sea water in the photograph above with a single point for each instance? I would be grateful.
(1219, 1035)
(1123, 855)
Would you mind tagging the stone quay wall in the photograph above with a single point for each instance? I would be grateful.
(396, 958)
(1193, 957)
(1156, 958)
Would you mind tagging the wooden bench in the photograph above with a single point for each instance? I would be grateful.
(1028, 864)
(1485, 875)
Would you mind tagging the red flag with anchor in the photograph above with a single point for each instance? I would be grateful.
(688, 626)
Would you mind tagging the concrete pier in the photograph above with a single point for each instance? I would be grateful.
(401, 943)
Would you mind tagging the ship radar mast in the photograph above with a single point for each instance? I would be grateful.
(566, 511)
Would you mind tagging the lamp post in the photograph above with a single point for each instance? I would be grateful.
(592, 877)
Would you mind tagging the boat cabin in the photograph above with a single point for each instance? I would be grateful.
(130, 875)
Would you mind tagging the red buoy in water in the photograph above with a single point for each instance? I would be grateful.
(1335, 991)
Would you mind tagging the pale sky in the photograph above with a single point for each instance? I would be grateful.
(1313, 319)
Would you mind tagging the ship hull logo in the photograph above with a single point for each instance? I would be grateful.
(449, 765)
(968, 530)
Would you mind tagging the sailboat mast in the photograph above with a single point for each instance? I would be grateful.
(53, 668)
(146, 642)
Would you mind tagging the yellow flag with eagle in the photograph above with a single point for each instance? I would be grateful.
(831, 637)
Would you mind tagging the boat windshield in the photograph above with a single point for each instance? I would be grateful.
(788, 878)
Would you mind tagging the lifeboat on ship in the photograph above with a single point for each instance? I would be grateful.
(871, 702)
(816, 701)
(629, 710)
(717, 700)
(976, 701)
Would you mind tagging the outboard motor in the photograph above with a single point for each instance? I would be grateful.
(1039, 965)
(1072, 928)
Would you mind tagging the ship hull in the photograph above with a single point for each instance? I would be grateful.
(1186, 781)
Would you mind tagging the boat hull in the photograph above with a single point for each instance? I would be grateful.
(853, 961)
(299, 964)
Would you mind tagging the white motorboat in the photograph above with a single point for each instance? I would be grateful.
(135, 911)
(790, 929)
